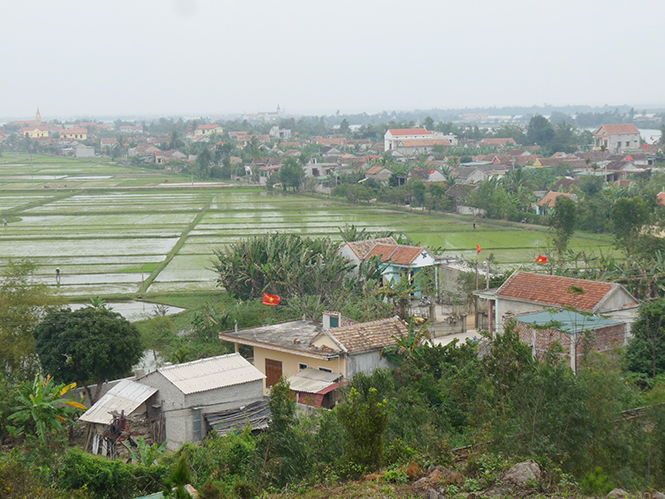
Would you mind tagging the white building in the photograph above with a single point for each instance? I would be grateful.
(396, 138)
(617, 138)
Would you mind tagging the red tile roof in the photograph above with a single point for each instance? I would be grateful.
(370, 335)
(555, 290)
(549, 200)
(498, 142)
(398, 254)
(374, 170)
(409, 131)
(617, 129)
(362, 248)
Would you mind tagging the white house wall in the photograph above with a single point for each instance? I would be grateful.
(367, 363)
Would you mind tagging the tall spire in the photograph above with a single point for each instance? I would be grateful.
(38, 117)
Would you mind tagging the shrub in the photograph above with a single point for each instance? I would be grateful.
(108, 479)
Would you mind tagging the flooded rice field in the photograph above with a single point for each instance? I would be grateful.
(118, 232)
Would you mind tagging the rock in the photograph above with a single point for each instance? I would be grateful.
(523, 474)
(433, 494)
(657, 495)
(617, 494)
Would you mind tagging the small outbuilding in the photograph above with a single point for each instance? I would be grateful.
(187, 392)
(575, 332)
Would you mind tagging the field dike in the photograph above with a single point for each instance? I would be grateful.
(176, 248)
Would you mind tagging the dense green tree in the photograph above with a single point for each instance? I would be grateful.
(629, 216)
(365, 419)
(646, 350)
(291, 174)
(540, 131)
(562, 222)
(89, 345)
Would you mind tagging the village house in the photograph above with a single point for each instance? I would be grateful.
(396, 259)
(530, 292)
(279, 133)
(74, 134)
(336, 345)
(379, 173)
(174, 402)
(396, 138)
(498, 142)
(35, 132)
(208, 130)
(547, 204)
(617, 138)
(575, 332)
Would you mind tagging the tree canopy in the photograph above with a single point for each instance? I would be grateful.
(90, 345)
(22, 306)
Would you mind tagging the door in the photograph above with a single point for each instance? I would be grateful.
(273, 372)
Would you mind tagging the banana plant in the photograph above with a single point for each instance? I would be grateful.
(43, 409)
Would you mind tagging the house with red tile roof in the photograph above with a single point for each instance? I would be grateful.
(499, 142)
(547, 204)
(617, 138)
(379, 173)
(396, 259)
(531, 292)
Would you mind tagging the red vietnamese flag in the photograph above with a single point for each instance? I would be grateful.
(541, 259)
(478, 250)
(270, 299)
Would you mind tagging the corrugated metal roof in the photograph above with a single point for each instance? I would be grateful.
(126, 396)
(312, 380)
(209, 374)
(567, 320)
(257, 414)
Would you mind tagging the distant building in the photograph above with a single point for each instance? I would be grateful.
(74, 133)
(617, 138)
(208, 130)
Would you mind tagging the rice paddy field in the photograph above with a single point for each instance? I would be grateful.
(119, 232)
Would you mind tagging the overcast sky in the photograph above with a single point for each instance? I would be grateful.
(214, 57)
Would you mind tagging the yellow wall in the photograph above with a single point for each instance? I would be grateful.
(35, 134)
(77, 136)
(290, 363)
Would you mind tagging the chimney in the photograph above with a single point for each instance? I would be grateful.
(330, 320)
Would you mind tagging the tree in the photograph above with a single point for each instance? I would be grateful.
(562, 223)
(646, 350)
(90, 345)
(22, 307)
(344, 127)
(629, 216)
(365, 419)
(291, 174)
(540, 131)
(41, 407)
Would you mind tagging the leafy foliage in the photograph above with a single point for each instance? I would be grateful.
(89, 345)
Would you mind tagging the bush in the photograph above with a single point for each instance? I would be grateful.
(108, 479)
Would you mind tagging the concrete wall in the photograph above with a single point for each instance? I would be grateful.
(367, 362)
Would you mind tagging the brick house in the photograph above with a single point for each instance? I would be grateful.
(530, 292)
(570, 329)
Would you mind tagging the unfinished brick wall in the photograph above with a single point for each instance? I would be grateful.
(602, 339)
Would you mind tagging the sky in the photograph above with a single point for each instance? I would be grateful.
(212, 58)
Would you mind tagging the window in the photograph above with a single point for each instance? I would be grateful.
(325, 369)
(334, 321)
(301, 366)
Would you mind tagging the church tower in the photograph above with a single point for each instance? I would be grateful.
(38, 117)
